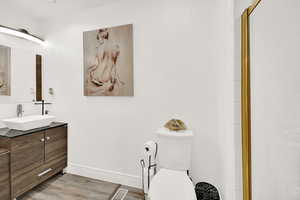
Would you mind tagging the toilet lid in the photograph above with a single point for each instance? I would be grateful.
(171, 185)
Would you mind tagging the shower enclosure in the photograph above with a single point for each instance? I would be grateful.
(270, 100)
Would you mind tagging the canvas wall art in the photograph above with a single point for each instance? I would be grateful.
(108, 61)
(5, 87)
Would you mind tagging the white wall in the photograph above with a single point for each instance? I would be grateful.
(226, 104)
(12, 16)
(180, 62)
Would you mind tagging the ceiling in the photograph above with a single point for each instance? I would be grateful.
(45, 10)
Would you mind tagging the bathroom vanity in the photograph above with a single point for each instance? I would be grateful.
(4, 174)
(35, 156)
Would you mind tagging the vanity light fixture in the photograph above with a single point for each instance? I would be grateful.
(21, 33)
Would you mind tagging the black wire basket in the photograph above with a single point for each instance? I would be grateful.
(206, 191)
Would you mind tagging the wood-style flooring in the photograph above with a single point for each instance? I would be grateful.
(73, 187)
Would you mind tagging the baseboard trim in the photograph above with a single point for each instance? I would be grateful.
(105, 175)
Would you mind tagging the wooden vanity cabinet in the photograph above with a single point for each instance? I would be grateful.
(56, 144)
(36, 157)
(4, 175)
(27, 153)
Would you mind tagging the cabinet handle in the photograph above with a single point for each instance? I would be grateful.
(47, 138)
(42, 140)
(45, 172)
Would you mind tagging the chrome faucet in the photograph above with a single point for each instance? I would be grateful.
(20, 110)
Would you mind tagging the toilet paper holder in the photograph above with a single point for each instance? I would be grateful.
(154, 166)
(149, 167)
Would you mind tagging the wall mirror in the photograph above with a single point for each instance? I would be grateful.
(20, 74)
(5, 70)
(271, 96)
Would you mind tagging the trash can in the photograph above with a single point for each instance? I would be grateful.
(206, 191)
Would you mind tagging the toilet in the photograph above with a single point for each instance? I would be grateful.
(174, 158)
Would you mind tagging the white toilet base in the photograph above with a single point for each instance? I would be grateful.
(171, 185)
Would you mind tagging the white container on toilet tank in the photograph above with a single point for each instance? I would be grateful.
(175, 149)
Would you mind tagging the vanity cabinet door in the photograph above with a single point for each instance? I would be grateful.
(27, 153)
(56, 143)
(4, 175)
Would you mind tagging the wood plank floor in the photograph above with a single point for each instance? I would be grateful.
(73, 187)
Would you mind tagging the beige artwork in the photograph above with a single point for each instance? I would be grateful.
(5, 71)
(108, 61)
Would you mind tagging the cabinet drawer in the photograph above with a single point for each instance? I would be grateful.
(56, 143)
(27, 153)
(52, 168)
(31, 179)
(4, 176)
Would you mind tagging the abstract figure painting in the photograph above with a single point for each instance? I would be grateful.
(5, 71)
(108, 61)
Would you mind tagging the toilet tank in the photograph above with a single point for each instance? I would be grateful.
(174, 149)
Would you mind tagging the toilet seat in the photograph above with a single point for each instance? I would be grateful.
(171, 185)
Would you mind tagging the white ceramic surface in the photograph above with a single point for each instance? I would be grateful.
(173, 185)
(174, 149)
(28, 122)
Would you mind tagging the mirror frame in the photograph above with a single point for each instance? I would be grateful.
(246, 102)
(39, 77)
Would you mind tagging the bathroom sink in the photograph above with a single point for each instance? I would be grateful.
(28, 122)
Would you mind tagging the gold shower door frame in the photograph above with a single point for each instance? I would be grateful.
(246, 103)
